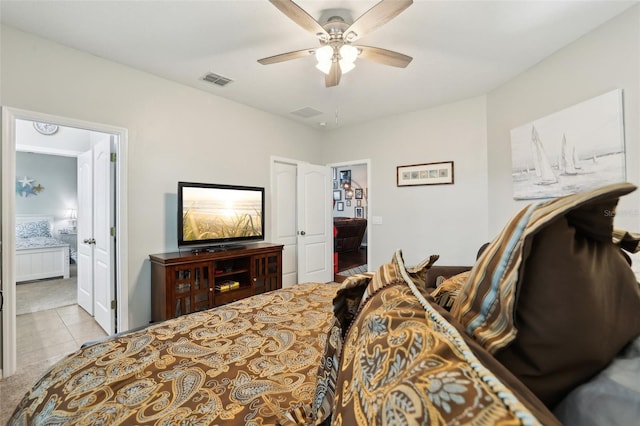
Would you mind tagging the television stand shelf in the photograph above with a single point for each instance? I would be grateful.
(187, 281)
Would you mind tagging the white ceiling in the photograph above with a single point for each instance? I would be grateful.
(461, 49)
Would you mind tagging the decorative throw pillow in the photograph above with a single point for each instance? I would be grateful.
(447, 291)
(348, 297)
(391, 272)
(419, 272)
(403, 363)
(346, 305)
(438, 274)
(553, 297)
(33, 229)
(327, 376)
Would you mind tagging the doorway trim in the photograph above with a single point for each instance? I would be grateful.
(367, 164)
(9, 117)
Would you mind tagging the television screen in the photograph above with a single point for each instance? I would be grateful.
(212, 214)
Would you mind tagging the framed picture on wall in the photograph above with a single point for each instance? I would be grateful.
(337, 195)
(348, 203)
(345, 178)
(425, 174)
(358, 193)
(348, 194)
(359, 212)
(340, 206)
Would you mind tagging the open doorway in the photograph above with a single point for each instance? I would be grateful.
(62, 221)
(49, 321)
(350, 218)
(288, 230)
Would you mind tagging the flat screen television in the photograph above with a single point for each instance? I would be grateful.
(214, 216)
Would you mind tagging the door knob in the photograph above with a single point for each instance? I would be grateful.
(89, 241)
(303, 233)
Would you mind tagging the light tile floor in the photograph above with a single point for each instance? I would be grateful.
(49, 326)
(53, 333)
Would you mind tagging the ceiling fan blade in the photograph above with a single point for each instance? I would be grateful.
(286, 56)
(376, 17)
(299, 16)
(333, 78)
(384, 56)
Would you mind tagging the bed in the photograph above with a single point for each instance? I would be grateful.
(380, 348)
(38, 254)
(247, 362)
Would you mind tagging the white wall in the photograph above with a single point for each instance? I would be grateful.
(603, 60)
(58, 178)
(449, 220)
(175, 133)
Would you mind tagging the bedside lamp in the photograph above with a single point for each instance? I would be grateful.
(72, 218)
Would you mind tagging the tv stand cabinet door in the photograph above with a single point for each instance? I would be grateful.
(266, 271)
(189, 288)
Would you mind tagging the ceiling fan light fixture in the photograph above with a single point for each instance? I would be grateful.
(348, 53)
(325, 67)
(336, 54)
(345, 67)
(324, 56)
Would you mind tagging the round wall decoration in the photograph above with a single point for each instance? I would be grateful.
(45, 128)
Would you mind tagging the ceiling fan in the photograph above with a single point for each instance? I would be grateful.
(337, 54)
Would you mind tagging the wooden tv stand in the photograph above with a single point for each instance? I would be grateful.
(184, 282)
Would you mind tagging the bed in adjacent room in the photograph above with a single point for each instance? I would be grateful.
(38, 254)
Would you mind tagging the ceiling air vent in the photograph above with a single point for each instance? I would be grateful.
(217, 79)
(306, 112)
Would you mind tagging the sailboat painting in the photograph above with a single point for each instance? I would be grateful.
(576, 149)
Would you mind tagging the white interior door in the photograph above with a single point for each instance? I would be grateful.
(103, 242)
(283, 196)
(95, 243)
(315, 223)
(85, 231)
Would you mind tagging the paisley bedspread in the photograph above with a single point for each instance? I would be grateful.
(247, 362)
